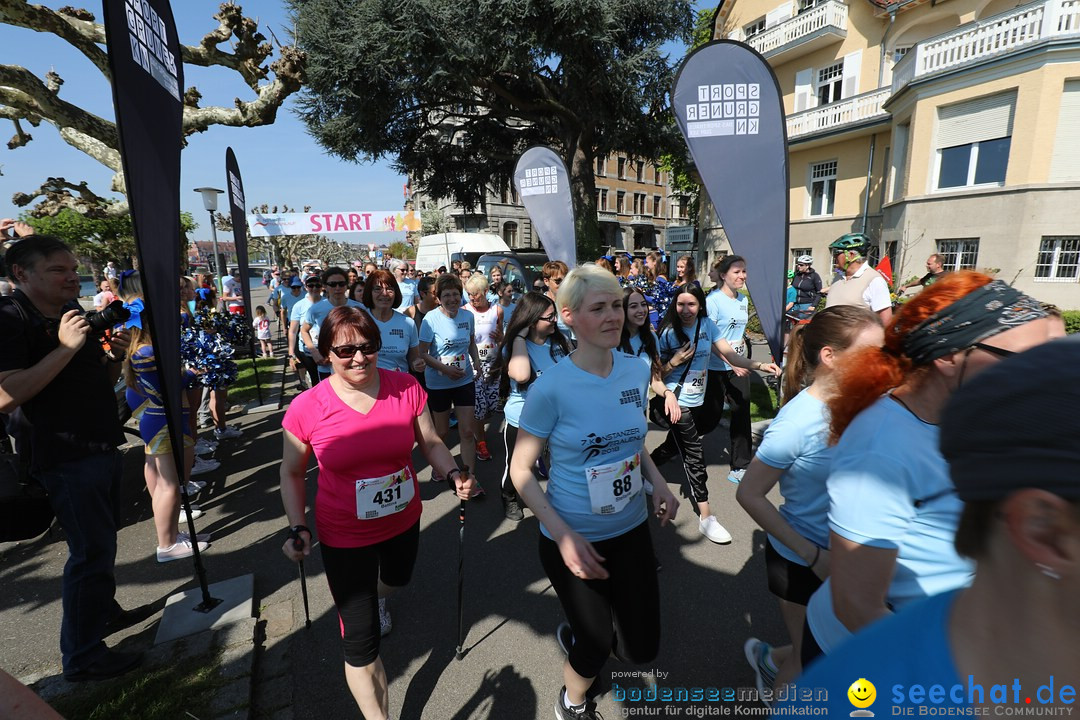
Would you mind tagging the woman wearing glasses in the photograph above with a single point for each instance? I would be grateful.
(532, 344)
(400, 341)
(298, 358)
(893, 512)
(336, 283)
(363, 420)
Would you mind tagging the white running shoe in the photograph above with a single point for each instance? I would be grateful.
(201, 466)
(196, 513)
(228, 432)
(736, 476)
(205, 447)
(711, 528)
(385, 623)
(178, 551)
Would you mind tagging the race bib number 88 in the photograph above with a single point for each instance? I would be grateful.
(613, 486)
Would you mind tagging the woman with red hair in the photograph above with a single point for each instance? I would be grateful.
(893, 510)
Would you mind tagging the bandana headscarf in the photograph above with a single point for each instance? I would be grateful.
(985, 312)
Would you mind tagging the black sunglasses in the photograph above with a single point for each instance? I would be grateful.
(337, 283)
(313, 284)
(1000, 352)
(347, 351)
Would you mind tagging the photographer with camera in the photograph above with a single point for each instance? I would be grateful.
(55, 378)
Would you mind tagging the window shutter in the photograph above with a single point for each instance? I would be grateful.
(985, 118)
(777, 16)
(804, 80)
(852, 66)
(1065, 163)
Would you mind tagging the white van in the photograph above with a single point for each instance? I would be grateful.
(444, 248)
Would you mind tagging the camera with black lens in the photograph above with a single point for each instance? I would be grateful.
(111, 315)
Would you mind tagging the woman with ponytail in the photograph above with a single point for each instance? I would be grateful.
(795, 453)
(893, 511)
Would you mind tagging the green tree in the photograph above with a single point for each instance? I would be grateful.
(402, 251)
(454, 92)
(96, 240)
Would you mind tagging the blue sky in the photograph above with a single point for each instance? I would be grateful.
(280, 163)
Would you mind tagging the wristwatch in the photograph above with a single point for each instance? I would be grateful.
(295, 530)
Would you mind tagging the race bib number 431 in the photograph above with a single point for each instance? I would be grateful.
(380, 497)
(614, 485)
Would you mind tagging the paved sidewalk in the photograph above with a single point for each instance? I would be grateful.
(713, 598)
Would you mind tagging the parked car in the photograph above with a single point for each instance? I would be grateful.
(521, 270)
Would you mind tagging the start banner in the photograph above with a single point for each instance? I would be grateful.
(322, 223)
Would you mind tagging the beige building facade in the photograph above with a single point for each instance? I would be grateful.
(634, 205)
(948, 127)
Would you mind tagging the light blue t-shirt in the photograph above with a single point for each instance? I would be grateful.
(288, 301)
(889, 487)
(296, 315)
(450, 339)
(730, 316)
(637, 346)
(508, 312)
(797, 443)
(909, 659)
(315, 315)
(590, 423)
(693, 388)
(408, 294)
(540, 357)
(398, 336)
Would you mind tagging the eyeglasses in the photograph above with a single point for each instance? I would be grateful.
(556, 280)
(337, 284)
(384, 289)
(1000, 352)
(314, 284)
(548, 318)
(347, 351)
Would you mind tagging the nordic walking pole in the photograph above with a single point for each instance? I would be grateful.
(298, 544)
(461, 579)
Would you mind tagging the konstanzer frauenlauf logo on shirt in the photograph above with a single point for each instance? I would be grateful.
(596, 445)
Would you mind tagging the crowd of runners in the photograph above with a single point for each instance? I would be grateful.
(878, 408)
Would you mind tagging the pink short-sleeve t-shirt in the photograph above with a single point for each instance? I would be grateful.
(351, 446)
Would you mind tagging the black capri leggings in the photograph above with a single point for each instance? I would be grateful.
(353, 575)
(311, 366)
(620, 614)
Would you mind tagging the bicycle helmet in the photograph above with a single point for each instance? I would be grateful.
(852, 241)
(804, 260)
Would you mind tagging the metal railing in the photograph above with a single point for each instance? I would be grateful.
(828, 14)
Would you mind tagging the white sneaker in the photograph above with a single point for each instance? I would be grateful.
(736, 476)
(200, 467)
(227, 433)
(385, 623)
(196, 513)
(711, 528)
(205, 447)
(178, 551)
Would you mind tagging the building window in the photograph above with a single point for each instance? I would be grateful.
(683, 207)
(958, 254)
(1059, 259)
(622, 168)
(603, 199)
(807, 5)
(510, 231)
(830, 83)
(899, 53)
(657, 179)
(796, 252)
(639, 203)
(620, 201)
(601, 166)
(657, 206)
(978, 163)
(755, 28)
(822, 188)
(641, 172)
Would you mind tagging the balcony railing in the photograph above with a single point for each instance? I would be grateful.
(641, 220)
(827, 19)
(602, 216)
(836, 115)
(989, 38)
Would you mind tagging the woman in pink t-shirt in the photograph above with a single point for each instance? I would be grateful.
(362, 425)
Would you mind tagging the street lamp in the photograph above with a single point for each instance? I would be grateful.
(209, 201)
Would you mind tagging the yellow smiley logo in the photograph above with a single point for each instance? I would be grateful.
(862, 693)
